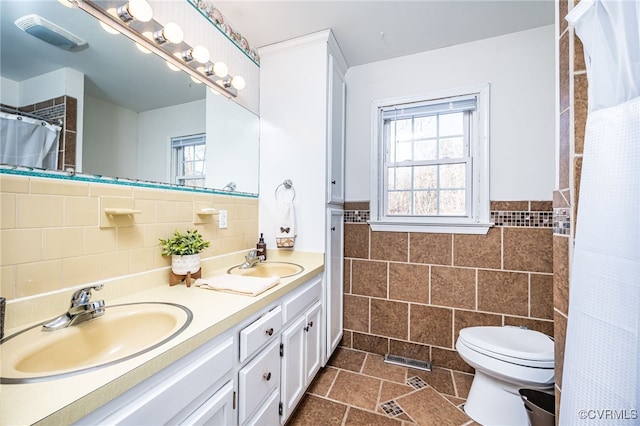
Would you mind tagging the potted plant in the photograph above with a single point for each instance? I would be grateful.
(184, 249)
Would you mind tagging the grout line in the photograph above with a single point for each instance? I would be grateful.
(346, 414)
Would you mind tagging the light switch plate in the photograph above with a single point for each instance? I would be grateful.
(222, 219)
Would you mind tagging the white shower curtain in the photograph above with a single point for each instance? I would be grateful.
(28, 142)
(601, 379)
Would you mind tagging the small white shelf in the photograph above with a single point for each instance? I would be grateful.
(207, 212)
(121, 212)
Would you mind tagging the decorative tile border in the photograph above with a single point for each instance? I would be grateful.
(562, 221)
(529, 219)
(522, 219)
(213, 15)
(356, 216)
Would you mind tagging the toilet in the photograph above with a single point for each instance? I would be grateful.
(506, 359)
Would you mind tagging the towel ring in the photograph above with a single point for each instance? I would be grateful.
(287, 184)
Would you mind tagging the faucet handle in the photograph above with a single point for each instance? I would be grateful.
(84, 295)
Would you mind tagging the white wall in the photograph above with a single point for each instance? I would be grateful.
(520, 68)
(232, 145)
(9, 91)
(110, 144)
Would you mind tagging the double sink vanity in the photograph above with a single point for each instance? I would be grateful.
(178, 355)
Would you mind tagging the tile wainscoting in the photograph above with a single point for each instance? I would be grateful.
(409, 294)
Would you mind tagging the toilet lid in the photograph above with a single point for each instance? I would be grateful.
(511, 342)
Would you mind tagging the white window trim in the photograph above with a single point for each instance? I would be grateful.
(479, 221)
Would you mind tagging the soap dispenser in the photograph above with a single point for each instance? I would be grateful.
(261, 248)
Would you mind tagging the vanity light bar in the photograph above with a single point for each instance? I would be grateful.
(170, 52)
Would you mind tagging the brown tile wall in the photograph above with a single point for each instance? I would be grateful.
(572, 101)
(410, 294)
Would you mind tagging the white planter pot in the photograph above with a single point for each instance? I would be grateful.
(181, 265)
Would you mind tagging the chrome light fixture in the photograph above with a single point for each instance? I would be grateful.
(198, 53)
(166, 42)
(219, 69)
(135, 9)
(237, 82)
(171, 33)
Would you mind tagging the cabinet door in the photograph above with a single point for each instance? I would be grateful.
(293, 365)
(314, 342)
(334, 280)
(268, 414)
(216, 411)
(335, 133)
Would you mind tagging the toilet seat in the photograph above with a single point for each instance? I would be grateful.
(510, 344)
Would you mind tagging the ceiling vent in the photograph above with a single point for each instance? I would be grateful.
(47, 31)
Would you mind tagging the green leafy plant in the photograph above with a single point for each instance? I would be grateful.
(181, 244)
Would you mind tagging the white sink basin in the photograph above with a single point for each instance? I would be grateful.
(123, 332)
(268, 269)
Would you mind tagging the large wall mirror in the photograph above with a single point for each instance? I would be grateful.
(136, 118)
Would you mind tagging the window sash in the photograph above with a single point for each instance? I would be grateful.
(388, 117)
(181, 164)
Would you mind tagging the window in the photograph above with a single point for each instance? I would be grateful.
(188, 159)
(431, 163)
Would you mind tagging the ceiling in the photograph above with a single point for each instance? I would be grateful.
(367, 31)
(374, 30)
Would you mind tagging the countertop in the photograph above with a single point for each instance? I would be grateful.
(63, 401)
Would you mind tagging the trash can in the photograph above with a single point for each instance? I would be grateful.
(540, 406)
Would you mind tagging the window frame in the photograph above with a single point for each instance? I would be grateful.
(178, 159)
(478, 220)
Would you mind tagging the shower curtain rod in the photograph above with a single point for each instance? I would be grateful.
(14, 111)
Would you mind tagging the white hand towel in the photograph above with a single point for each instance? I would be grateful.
(249, 286)
(286, 224)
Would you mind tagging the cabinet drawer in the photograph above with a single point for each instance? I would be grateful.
(260, 332)
(298, 302)
(258, 379)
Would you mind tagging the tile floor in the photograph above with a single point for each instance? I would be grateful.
(359, 388)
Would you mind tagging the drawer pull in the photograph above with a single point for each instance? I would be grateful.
(267, 376)
(306, 328)
(269, 331)
(311, 324)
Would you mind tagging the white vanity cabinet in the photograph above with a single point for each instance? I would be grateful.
(252, 374)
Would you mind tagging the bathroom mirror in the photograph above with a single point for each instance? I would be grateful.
(131, 106)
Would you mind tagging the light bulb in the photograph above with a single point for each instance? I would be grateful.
(195, 80)
(172, 67)
(142, 48)
(220, 69)
(135, 9)
(238, 82)
(173, 33)
(140, 10)
(108, 28)
(200, 54)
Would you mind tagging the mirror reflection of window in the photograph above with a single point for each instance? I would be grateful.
(188, 155)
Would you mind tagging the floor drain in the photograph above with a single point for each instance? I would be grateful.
(407, 362)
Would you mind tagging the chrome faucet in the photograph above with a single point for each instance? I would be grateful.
(82, 309)
(251, 259)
